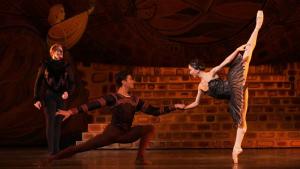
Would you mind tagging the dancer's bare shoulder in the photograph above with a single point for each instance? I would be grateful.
(203, 85)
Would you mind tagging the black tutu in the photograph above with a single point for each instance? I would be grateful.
(232, 89)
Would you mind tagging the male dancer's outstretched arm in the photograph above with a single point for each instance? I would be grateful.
(107, 100)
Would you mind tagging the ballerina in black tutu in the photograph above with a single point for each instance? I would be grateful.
(233, 89)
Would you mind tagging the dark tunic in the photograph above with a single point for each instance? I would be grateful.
(55, 77)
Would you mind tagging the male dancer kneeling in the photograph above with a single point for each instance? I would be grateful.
(120, 130)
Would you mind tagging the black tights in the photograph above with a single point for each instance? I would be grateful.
(111, 135)
(53, 102)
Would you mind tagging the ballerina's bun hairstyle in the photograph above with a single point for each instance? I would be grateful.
(196, 64)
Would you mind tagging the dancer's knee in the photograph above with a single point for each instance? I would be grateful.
(243, 127)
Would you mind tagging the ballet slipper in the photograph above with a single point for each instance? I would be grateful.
(259, 19)
(235, 153)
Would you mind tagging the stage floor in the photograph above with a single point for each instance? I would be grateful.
(17, 158)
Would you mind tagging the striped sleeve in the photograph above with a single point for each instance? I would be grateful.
(108, 100)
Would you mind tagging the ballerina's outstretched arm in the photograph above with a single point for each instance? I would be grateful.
(192, 105)
(228, 59)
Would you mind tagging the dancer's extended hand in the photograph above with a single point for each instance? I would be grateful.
(65, 113)
(242, 48)
(38, 105)
(179, 106)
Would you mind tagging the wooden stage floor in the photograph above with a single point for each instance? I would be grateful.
(17, 158)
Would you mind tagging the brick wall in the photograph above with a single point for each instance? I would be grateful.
(273, 114)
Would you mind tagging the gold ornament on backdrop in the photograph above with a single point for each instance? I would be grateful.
(66, 32)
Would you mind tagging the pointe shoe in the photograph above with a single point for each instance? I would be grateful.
(235, 153)
(259, 19)
(142, 161)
